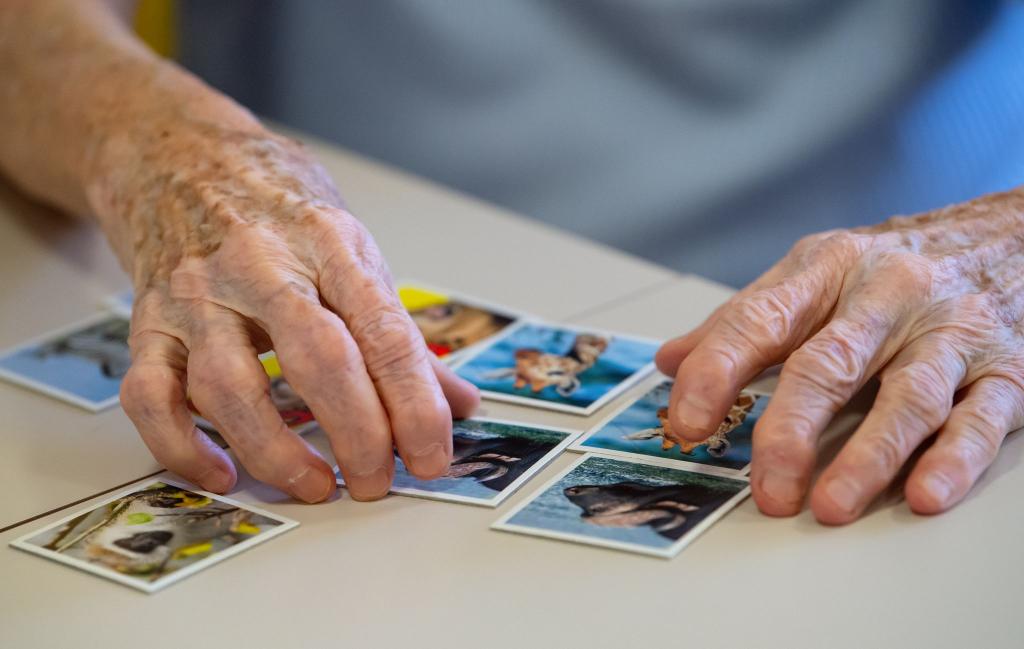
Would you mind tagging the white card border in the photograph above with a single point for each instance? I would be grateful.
(686, 465)
(508, 491)
(626, 383)
(22, 543)
(113, 303)
(671, 551)
(49, 390)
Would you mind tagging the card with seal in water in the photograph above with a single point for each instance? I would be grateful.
(646, 506)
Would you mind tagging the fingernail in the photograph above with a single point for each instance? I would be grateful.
(369, 485)
(695, 413)
(843, 493)
(431, 460)
(939, 487)
(310, 485)
(214, 479)
(781, 488)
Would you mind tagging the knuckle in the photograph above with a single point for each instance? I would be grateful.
(390, 343)
(921, 392)
(818, 373)
(907, 273)
(978, 441)
(764, 320)
(792, 449)
(840, 247)
(226, 386)
(142, 396)
(834, 360)
(888, 451)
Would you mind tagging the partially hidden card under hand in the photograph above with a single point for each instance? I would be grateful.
(638, 431)
(492, 458)
(557, 367)
(452, 323)
(292, 408)
(152, 536)
(82, 364)
(643, 507)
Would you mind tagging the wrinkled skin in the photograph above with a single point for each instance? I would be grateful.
(931, 304)
(238, 242)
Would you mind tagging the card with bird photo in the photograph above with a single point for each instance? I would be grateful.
(557, 366)
(491, 459)
(638, 506)
(452, 323)
(641, 429)
(82, 364)
(152, 536)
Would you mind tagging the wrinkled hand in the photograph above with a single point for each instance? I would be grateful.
(932, 304)
(238, 242)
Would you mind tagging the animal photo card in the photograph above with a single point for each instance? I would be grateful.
(491, 459)
(645, 507)
(152, 536)
(641, 429)
(451, 323)
(558, 367)
(82, 364)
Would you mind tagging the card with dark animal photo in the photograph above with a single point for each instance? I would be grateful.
(152, 536)
(645, 507)
(558, 367)
(452, 323)
(491, 459)
(82, 364)
(641, 429)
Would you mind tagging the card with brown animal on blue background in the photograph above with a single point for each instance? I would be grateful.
(558, 367)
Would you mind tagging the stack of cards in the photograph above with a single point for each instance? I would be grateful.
(636, 488)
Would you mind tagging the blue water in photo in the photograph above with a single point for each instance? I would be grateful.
(642, 415)
(88, 363)
(492, 369)
(553, 510)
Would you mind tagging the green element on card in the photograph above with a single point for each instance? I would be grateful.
(139, 518)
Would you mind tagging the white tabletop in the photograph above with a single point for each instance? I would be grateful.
(406, 572)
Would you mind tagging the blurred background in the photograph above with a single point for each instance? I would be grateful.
(706, 135)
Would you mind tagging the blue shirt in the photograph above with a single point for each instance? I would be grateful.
(703, 134)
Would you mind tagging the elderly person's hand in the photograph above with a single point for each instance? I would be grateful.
(237, 241)
(931, 304)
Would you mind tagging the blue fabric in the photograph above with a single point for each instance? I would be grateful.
(702, 134)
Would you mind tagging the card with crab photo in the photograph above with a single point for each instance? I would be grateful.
(641, 506)
(558, 367)
(491, 459)
(151, 536)
(640, 429)
(452, 323)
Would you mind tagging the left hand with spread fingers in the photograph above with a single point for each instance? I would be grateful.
(931, 304)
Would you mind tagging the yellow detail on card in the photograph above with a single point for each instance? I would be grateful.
(246, 528)
(192, 550)
(271, 366)
(414, 298)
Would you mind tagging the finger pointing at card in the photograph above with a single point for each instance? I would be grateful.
(929, 304)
